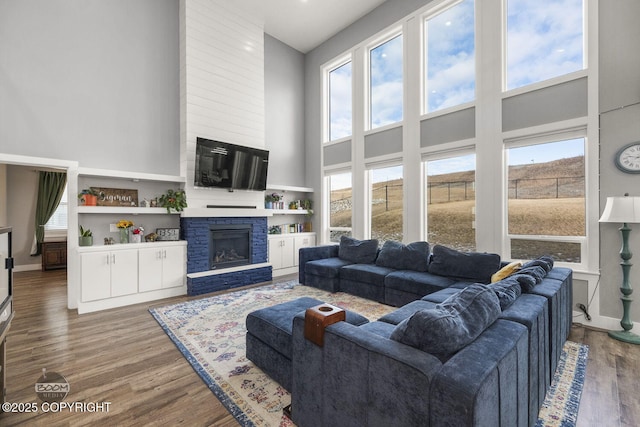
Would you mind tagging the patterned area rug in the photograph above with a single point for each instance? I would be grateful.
(210, 333)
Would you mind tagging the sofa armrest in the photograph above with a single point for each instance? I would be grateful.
(359, 378)
(485, 383)
(313, 253)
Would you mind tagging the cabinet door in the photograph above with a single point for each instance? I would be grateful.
(95, 275)
(302, 242)
(149, 269)
(174, 265)
(275, 253)
(288, 252)
(124, 272)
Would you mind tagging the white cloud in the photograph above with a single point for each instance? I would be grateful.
(544, 40)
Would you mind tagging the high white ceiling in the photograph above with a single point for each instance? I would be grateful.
(305, 24)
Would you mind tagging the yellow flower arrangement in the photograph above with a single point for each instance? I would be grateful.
(124, 223)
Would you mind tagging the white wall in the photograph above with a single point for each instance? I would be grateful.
(94, 81)
(284, 113)
(221, 88)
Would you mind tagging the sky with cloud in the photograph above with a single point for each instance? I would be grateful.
(545, 39)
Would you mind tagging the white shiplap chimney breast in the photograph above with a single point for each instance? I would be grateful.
(221, 88)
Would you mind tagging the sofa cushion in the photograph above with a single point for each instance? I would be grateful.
(463, 265)
(507, 290)
(441, 296)
(452, 325)
(358, 251)
(416, 282)
(414, 256)
(365, 273)
(506, 271)
(328, 267)
(406, 311)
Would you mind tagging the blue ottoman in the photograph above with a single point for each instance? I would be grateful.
(269, 331)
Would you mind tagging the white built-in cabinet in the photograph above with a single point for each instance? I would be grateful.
(161, 267)
(108, 274)
(284, 251)
(121, 274)
(117, 275)
(284, 247)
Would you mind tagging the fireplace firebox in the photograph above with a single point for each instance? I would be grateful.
(229, 245)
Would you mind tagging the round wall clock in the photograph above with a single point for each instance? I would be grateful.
(628, 158)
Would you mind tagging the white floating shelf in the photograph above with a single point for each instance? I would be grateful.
(288, 211)
(130, 176)
(123, 210)
(276, 187)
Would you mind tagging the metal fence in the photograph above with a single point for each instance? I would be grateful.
(454, 191)
(524, 188)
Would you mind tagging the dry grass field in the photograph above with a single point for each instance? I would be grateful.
(549, 206)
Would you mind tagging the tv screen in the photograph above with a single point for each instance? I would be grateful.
(224, 165)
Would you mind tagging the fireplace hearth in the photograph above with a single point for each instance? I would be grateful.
(229, 245)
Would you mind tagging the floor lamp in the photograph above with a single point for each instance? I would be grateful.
(624, 210)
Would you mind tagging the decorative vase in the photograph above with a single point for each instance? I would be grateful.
(268, 205)
(89, 200)
(136, 238)
(124, 235)
(85, 241)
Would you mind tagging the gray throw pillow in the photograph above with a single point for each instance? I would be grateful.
(526, 282)
(545, 262)
(358, 251)
(451, 325)
(535, 271)
(507, 290)
(414, 256)
(474, 266)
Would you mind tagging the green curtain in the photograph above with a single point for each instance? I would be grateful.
(50, 189)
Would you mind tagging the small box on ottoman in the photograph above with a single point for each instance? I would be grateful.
(319, 317)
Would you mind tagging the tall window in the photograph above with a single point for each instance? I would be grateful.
(58, 220)
(386, 203)
(450, 57)
(545, 39)
(340, 205)
(385, 62)
(546, 204)
(340, 102)
(451, 201)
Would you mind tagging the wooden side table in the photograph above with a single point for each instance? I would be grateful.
(54, 255)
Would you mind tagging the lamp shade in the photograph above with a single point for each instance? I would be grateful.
(621, 209)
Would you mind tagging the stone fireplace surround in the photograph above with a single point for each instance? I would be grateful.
(202, 280)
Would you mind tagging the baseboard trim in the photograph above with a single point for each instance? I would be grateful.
(26, 267)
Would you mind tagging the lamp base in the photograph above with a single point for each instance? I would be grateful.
(626, 336)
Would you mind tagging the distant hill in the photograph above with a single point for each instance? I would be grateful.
(569, 167)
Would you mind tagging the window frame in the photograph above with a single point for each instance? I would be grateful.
(550, 81)
(380, 40)
(464, 150)
(424, 65)
(327, 69)
(369, 168)
(326, 196)
(531, 140)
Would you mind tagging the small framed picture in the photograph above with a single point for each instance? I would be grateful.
(165, 234)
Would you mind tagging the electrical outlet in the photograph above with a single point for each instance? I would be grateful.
(113, 228)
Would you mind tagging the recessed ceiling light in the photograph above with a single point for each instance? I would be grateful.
(448, 23)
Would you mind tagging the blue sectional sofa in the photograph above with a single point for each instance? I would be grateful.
(392, 371)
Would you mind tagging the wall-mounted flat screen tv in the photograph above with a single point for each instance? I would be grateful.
(234, 167)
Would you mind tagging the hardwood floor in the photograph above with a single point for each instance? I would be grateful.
(123, 357)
